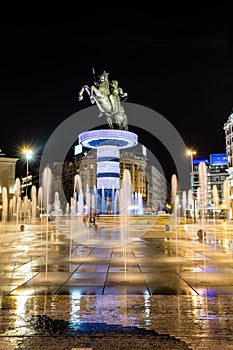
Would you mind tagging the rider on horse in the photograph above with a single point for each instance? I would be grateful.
(114, 94)
(107, 96)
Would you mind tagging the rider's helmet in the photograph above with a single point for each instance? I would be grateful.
(103, 76)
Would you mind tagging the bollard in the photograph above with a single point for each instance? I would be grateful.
(201, 234)
(21, 227)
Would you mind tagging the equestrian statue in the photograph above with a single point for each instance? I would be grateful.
(107, 96)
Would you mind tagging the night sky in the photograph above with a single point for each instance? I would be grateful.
(178, 64)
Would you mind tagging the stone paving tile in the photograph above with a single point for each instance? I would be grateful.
(195, 323)
(178, 295)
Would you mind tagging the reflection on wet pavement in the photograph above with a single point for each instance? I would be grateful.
(97, 336)
(87, 269)
(171, 292)
(119, 322)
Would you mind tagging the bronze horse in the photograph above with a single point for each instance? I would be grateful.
(107, 97)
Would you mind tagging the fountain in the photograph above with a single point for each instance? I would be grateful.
(115, 203)
(184, 204)
(47, 182)
(175, 201)
(75, 223)
(108, 198)
(198, 229)
(125, 202)
(202, 193)
(190, 203)
(226, 200)
(4, 209)
(33, 203)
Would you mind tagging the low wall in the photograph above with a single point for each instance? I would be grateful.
(135, 219)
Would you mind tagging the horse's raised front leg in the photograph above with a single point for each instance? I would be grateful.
(80, 95)
(84, 88)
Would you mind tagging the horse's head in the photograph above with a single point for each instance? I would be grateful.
(114, 84)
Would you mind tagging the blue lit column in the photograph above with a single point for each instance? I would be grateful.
(108, 167)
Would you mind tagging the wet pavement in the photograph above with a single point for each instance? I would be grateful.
(165, 290)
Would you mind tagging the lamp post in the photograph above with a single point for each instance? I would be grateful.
(28, 156)
(191, 153)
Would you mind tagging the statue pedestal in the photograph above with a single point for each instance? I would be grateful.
(108, 143)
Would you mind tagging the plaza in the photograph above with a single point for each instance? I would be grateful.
(175, 291)
(150, 280)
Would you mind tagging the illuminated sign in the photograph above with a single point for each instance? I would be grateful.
(218, 159)
(198, 161)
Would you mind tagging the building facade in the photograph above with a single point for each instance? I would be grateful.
(7, 175)
(228, 129)
(145, 179)
(216, 175)
(157, 189)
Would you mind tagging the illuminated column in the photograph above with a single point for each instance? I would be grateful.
(108, 167)
(108, 143)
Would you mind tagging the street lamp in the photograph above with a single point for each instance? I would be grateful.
(28, 155)
(191, 153)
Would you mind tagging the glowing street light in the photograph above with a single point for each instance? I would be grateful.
(28, 155)
(191, 153)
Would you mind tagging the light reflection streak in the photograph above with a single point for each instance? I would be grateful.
(20, 310)
(75, 314)
(147, 308)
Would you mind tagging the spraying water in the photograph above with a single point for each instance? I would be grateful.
(226, 198)
(46, 185)
(17, 203)
(184, 203)
(78, 198)
(202, 193)
(125, 204)
(174, 189)
(33, 202)
(4, 205)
